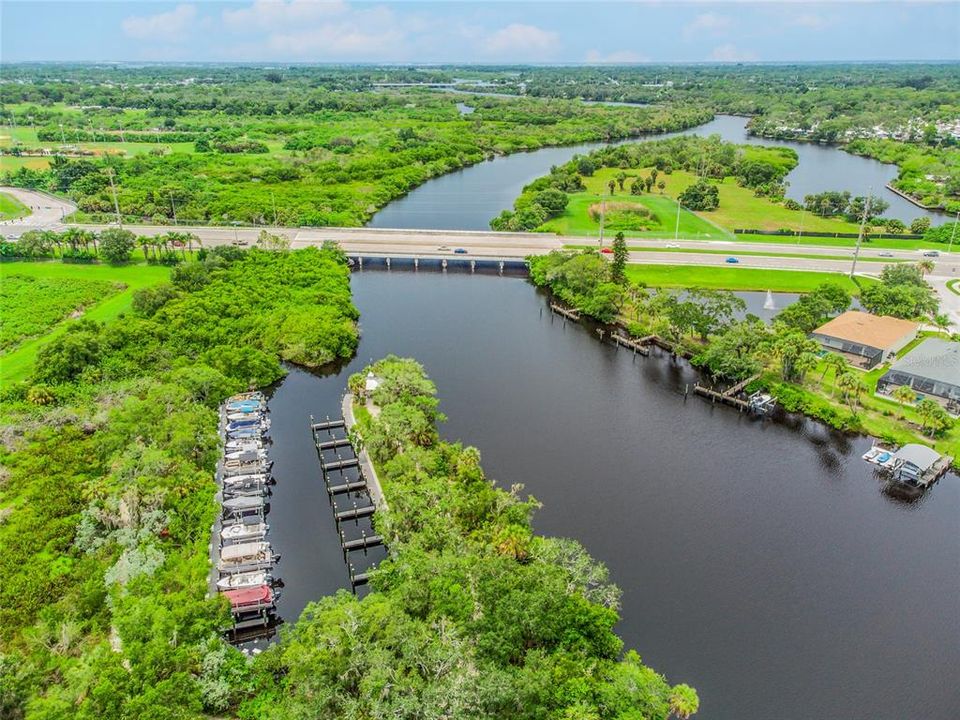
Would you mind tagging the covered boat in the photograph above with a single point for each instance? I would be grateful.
(242, 580)
(246, 455)
(243, 552)
(248, 479)
(244, 531)
(244, 503)
(250, 598)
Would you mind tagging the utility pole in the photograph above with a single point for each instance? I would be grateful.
(863, 224)
(174, 207)
(603, 212)
(273, 199)
(953, 234)
(116, 205)
(676, 228)
(63, 138)
(803, 214)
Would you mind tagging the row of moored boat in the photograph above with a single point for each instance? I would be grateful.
(245, 559)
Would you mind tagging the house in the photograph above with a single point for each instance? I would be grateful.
(932, 369)
(865, 340)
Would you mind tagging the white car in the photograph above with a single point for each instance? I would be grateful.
(443, 248)
(671, 245)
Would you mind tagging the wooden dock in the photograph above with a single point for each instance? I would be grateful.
(351, 498)
(564, 312)
(728, 396)
(638, 346)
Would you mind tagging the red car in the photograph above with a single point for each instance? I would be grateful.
(606, 250)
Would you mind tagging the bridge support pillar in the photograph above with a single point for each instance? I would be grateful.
(501, 267)
(416, 263)
(388, 263)
(443, 264)
(360, 261)
(473, 265)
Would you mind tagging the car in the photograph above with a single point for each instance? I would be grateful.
(671, 245)
(732, 260)
(443, 248)
(460, 251)
(932, 253)
(886, 254)
(606, 250)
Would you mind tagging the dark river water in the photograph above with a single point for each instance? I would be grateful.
(760, 560)
(468, 199)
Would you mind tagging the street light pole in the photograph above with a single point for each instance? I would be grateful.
(863, 223)
(676, 227)
(116, 205)
(953, 234)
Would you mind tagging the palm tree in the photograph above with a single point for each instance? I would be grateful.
(942, 321)
(851, 387)
(144, 242)
(683, 701)
(925, 266)
(837, 363)
(905, 395)
(612, 185)
(660, 186)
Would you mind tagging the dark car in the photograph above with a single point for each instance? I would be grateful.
(460, 251)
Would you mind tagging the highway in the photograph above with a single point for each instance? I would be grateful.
(48, 213)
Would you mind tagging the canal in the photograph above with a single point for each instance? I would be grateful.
(468, 199)
(760, 560)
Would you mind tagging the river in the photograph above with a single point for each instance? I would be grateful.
(760, 560)
(469, 198)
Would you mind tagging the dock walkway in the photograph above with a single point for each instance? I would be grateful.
(369, 472)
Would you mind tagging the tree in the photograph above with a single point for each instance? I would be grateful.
(905, 395)
(858, 205)
(920, 225)
(586, 166)
(933, 418)
(851, 388)
(836, 362)
(552, 200)
(270, 241)
(620, 254)
(735, 353)
(702, 195)
(942, 322)
(925, 266)
(612, 185)
(34, 244)
(621, 179)
(636, 187)
(116, 245)
(661, 186)
(797, 353)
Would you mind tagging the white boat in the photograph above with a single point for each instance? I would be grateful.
(245, 552)
(250, 479)
(247, 579)
(237, 504)
(244, 531)
(233, 415)
(245, 444)
(246, 455)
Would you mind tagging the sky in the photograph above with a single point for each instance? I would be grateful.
(641, 31)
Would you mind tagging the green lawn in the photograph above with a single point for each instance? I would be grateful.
(576, 219)
(743, 253)
(730, 278)
(17, 364)
(954, 286)
(11, 208)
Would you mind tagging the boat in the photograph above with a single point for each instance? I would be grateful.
(234, 416)
(246, 455)
(251, 444)
(247, 579)
(250, 599)
(234, 491)
(254, 468)
(240, 397)
(242, 552)
(251, 423)
(251, 406)
(242, 531)
(238, 504)
(251, 479)
(253, 433)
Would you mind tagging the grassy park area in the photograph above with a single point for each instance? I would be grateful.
(11, 208)
(731, 278)
(16, 364)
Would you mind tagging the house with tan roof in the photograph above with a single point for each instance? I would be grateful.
(865, 340)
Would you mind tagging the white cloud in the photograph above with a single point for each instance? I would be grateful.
(808, 20)
(707, 23)
(731, 53)
(172, 26)
(521, 41)
(282, 14)
(617, 56)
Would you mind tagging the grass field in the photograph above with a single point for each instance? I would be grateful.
(739, 208)
(11, 208)
(954, 286)
(16, 365)
(724, 278)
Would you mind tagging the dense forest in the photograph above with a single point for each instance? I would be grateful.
(108, 455)
(307, 145)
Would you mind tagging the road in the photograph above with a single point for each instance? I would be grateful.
(49, 212)
(45, 211)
